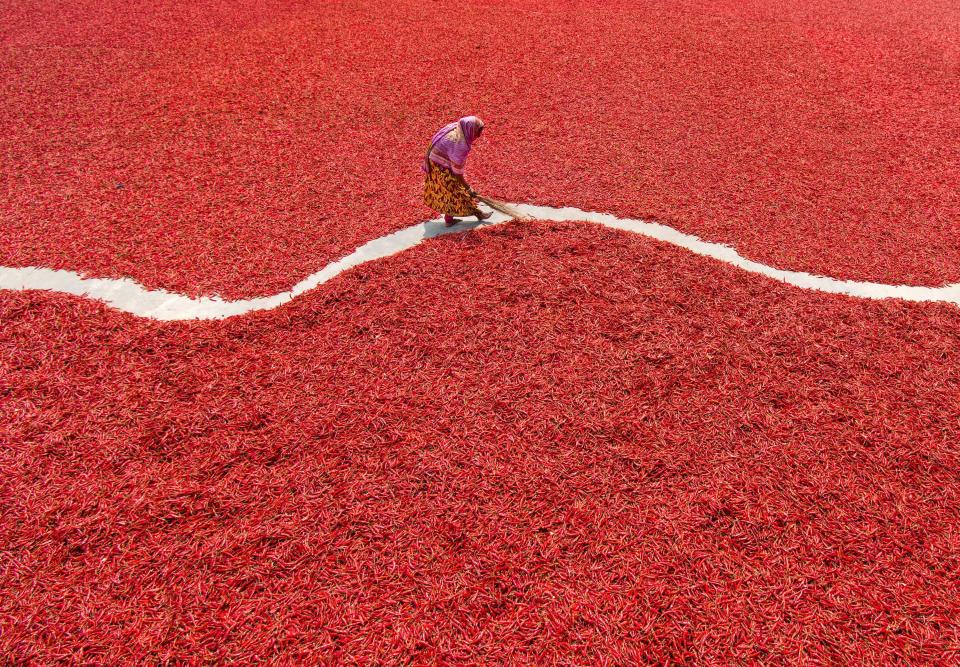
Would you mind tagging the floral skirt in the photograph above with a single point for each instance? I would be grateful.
(445, 194)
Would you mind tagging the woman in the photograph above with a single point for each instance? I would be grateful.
(444, 189)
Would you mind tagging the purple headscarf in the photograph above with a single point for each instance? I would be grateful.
(451, 147)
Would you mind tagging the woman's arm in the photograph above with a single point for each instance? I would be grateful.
(464, 183)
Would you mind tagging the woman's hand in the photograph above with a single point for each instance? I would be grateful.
(463, 182)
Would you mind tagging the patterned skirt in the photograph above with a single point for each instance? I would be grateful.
(445, 194)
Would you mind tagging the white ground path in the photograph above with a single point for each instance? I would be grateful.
(132, 297)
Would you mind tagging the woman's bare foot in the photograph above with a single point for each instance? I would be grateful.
(450, 220)
(481, 216)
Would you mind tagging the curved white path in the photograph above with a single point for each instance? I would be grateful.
(132, 297)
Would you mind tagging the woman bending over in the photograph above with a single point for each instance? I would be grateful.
(444, 189)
